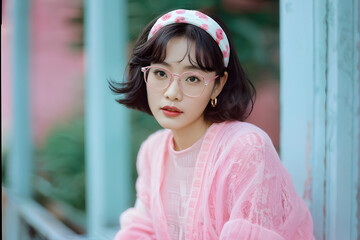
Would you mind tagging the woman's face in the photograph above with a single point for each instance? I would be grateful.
(171, 108)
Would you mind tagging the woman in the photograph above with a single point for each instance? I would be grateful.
(208, 174)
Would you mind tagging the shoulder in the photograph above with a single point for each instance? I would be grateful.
(241, 134)
(244, 147)
(154, 145)
(156, 139)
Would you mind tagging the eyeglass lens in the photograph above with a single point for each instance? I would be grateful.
(191, 83)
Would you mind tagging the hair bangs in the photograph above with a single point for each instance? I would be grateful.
(157, 50)
(207, 53)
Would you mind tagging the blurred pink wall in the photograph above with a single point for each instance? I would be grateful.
(56, 71)
(266, 112)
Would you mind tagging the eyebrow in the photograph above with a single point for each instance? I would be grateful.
(188, 67)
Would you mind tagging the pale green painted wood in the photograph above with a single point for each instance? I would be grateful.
(19, 168)
(320, 110)
(21, 146)
(107, 130)
(108, 167)
(317, 142)
(342, 117)
(13, 226)
(40, 219)
(296, 91)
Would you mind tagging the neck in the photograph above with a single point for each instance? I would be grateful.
(185, 138)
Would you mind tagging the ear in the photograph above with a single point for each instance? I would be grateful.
(219, 86)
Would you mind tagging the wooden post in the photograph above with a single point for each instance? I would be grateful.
(342, 115)
(19, 169)
(108, 167)
(320, 110)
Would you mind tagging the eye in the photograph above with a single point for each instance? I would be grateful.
(160, 73)
(193, 79)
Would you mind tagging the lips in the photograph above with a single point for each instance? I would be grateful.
(171, 111)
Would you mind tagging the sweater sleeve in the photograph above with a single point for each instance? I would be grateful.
(242, 229)
(261, 201)
(136, 222)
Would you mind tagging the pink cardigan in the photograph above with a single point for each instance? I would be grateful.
(240, 190)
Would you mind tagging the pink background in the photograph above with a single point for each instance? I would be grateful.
(56, 71)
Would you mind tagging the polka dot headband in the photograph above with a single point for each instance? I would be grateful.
(200, 20)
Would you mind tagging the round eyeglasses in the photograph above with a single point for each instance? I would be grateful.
(192, 84)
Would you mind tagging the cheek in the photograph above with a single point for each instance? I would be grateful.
(206, 97)
(200, 104)
(152, 98)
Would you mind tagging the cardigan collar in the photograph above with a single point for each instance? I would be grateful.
(201, 162)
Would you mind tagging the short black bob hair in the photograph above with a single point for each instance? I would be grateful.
(236, 100)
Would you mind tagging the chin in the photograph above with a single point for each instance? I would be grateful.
(168, 123)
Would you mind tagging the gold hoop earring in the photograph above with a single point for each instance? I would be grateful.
(214, 102)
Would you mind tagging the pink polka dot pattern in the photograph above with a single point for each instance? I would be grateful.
(201, 15)
(226, 53)
(180, 20)
(155, 28)
(219, 34)
(181, 11)
(205, 27)
(166, 17)
(200, 20)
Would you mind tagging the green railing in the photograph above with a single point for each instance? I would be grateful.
(109, 184)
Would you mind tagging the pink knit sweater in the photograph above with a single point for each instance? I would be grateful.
(240, 190)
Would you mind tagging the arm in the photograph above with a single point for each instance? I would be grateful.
(242, 229)
(136, 222)
(262, 201)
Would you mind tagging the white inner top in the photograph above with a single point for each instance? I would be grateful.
(175, 192)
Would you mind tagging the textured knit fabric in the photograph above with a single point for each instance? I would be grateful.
(175, 191)
(240, 190)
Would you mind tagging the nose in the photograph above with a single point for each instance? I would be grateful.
(173, 92)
